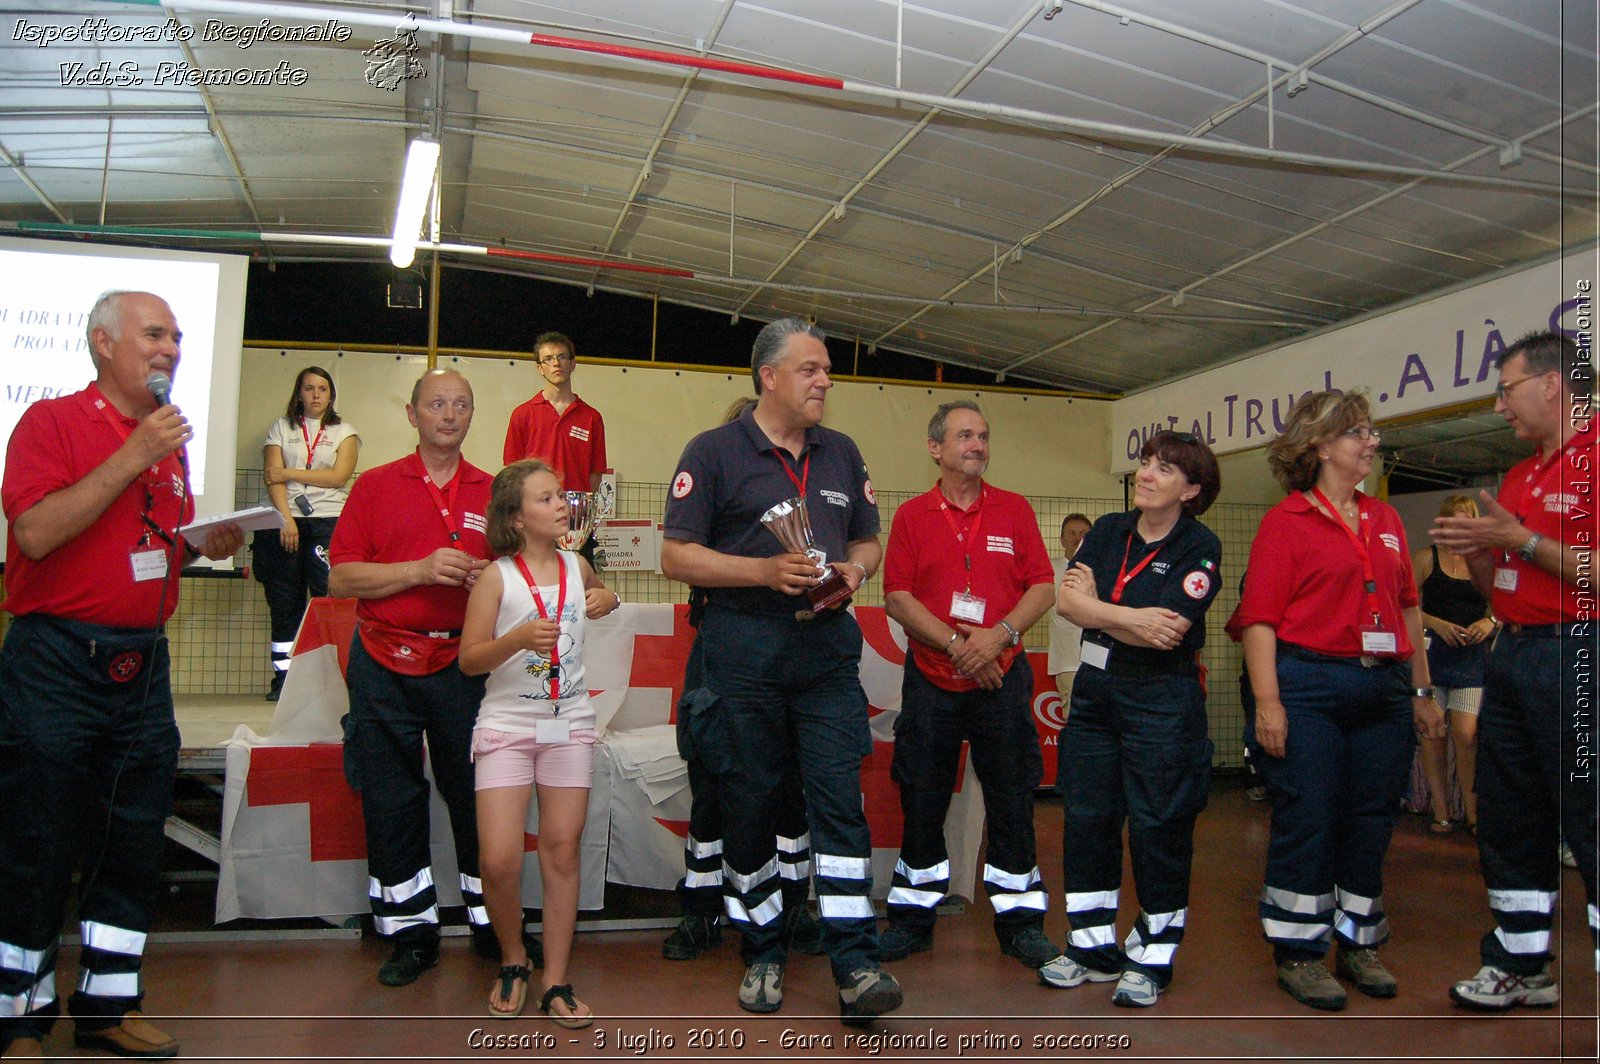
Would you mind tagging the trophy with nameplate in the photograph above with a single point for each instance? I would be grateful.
(581, 514)
(790, 523)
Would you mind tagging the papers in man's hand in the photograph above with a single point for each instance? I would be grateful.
(250, 519)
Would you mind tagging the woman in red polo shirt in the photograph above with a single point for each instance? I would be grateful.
(1329, 620)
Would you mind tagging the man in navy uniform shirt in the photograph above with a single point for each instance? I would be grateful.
(778, 675)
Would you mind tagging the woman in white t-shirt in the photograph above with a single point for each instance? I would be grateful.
(309, 458)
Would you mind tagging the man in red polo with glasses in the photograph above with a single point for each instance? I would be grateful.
(1532, 552)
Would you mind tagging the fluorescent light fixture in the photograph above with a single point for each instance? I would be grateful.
(422, 162)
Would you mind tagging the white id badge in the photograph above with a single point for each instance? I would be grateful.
(1505, 579)
(1377, 641)
(1096, 655)
(148, 565)
(965, 607)
(552, 731)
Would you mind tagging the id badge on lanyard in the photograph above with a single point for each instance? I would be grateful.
(1375, 637)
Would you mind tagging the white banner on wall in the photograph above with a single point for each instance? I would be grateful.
(1434, 353)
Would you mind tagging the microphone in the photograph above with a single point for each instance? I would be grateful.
(159, 385)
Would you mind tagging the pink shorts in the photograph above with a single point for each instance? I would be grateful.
(515, 759)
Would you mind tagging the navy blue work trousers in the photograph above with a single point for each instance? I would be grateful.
(778, 689)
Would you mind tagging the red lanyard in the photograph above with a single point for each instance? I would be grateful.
(963, 538)
(799, 482)
(1123, 575)
(445, 505)
(311, 445)
(561, 609)
(120, 427)
(1362, 551)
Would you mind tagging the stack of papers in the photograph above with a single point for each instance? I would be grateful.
(650, 755)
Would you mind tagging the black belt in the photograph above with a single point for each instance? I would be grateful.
(1365, 661)
(1543, 631)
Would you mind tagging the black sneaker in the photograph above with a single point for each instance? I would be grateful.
(868, 992)
(407, 962)
(1030, 947)
(692, 937)
(802, 932)
(486, 945)
(899, 942)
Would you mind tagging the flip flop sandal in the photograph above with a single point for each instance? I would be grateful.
(564, 992)
(1441, 827)
(512, 982)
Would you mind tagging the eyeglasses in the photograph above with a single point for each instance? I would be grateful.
(1503, 389)
(1363, 432)
(552, 360)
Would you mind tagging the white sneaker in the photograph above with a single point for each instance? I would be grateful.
(1135, 990)
(1064, 973)
(1496, 990)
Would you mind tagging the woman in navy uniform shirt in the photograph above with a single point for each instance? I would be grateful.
(1135, 746)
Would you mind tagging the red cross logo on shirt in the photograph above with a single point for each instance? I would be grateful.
(682, 484)
(1196, 584)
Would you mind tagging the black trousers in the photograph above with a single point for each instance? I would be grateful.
(291, 578)
(777, 689)
(928, 734)
(1536, 783)
(88, 748)
(390, 715)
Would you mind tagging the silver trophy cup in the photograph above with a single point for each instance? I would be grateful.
(789, 522)
(581, 515)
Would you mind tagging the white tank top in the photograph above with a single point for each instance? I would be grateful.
(518, 690)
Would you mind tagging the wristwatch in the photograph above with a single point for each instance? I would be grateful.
(1422, 692)
(1525, 552)
(1016, 636)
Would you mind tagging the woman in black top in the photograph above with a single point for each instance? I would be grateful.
(1135, 745)
(1456, 616)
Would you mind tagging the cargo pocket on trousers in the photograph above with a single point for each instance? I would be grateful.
(703, 732)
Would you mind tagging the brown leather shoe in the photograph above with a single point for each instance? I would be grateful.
(133, 1037)
(23, 1047)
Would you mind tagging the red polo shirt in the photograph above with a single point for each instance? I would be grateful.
(391, 516)
(924, 557)
(1554, 496)
(573, 442)
(1305, 577)
(57, 443)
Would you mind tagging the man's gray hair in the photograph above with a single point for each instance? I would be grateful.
(772, 340)
(936, 423)
(105, 314)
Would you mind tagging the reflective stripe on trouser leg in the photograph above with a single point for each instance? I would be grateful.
(702, 864)
(753, 900)
(843, 885)
(280, 655)
(1154, 939)
(794, 864)
(1299, 922)
(915, 892)
(1359, 921)
(401, 906)
(111, 960)
(27, 979)
(1015, 893)
(1523, 920)
(472, 898)
(1092, 917)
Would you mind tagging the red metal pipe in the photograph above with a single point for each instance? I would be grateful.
(699, 62)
